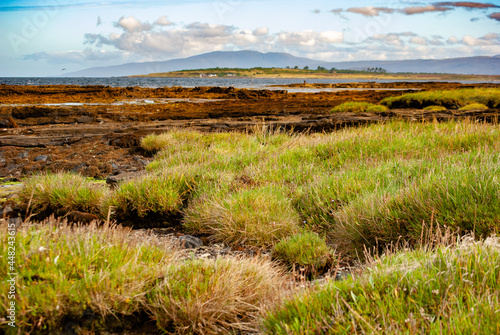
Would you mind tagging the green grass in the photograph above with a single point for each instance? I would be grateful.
(160, 195)
(358, 107)
(354, 191)
(62, 193)
(359, 187)
(452, 99)
(256, 217)
(306, 250)
(474, 106)
(435, 108)
(88, 277)
(446, 291)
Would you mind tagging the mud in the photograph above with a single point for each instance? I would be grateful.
(96, 130)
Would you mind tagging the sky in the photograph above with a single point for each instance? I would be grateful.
(49, 37)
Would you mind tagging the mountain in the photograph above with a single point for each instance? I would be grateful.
(250, 59)
(229, 59)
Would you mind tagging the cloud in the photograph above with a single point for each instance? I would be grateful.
(132, 25)
(309, 38)
(425, 9)
(418, 40)
(261, 31)
(161, 41)
(370, 10)
(392, 39)
(163, 21)
(337, 11)
(78, 57)
(472, 41)
(495, 16)
(465, 4)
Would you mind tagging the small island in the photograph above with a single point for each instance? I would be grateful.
(317, 73)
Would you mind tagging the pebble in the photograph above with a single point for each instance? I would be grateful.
(190, 242)
(41, 158)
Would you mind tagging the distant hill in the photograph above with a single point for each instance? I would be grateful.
(250, 59)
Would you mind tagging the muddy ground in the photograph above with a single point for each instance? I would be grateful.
(96, 130)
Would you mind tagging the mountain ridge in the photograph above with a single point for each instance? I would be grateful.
(480, 65)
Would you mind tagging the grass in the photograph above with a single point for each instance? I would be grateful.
(257, 217)
(435, 108)
(150, 195)
(358, 107)
(306, 250)
(62, 193)
(447, 290)
(451, 99)
(366, 186)
(357, 191)
(474, 106)
(85, 278)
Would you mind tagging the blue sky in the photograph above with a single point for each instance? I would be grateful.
(40, 38)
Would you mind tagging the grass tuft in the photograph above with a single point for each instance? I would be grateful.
(256, 217)
(358, 107)
(90, 279)
(451, 99)
(449, 290)
(61, 193)
(306, 250)
(214, 296)
(155, 195)
(435, 108)
(474, 106)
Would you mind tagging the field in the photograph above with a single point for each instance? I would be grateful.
(378, 215)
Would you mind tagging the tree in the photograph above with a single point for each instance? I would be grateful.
(306, 67)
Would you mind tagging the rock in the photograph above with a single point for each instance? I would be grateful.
(7, 211)
(79, 167)
(342, 276)
(113, 180)
(41, 158)
(190, 242)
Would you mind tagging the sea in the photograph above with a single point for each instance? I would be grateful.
(249, 83)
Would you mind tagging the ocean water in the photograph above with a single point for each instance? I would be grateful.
(256, 83)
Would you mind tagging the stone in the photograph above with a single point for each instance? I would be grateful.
(114, 180)
(79, 167)
(41, 158)
(190, 242)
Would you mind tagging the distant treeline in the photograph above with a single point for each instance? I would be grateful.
(292, 70)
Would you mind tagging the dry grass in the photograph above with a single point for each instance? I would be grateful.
(91, 276)
(215, 296)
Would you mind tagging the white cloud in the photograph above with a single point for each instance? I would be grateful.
(418, 40)
(261, 31)
(424, 9)
(472, 41)
(370, 10)
(169, 41)
(132, 25)
(163, 21)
